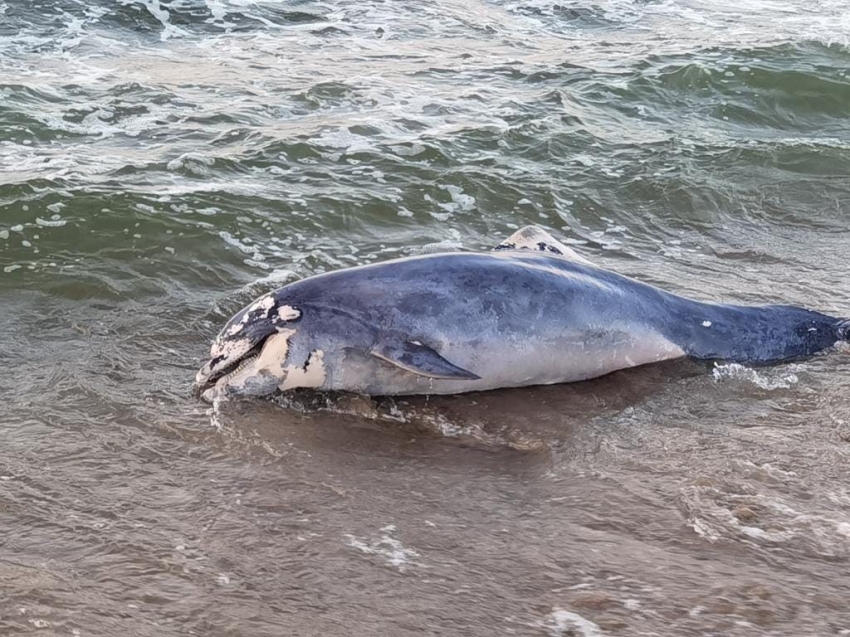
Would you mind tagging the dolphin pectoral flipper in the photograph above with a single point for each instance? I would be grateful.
(422, 360)
(534, 239)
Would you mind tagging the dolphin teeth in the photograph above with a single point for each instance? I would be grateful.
(245, 362)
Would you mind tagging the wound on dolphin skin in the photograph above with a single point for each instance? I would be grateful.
(263, 305)
(215, 361)
(287, 314)
(311, 374)
(545, 247)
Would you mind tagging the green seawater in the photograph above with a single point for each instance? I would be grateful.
(164, 162)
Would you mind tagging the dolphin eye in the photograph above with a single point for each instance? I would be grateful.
(215, 361)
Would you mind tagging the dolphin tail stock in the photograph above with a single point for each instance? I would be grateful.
(764, 334)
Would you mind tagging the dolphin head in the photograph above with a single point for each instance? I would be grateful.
(250, 354)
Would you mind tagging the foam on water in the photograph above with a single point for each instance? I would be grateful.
(560, 623)
(766, 520)
(164, 162)
(768, 380)
(386, 547)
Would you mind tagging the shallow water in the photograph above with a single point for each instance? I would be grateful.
(161, 163)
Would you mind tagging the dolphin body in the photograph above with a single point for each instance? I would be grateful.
(531, 312)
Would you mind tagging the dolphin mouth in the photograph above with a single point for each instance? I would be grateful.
(206, 381)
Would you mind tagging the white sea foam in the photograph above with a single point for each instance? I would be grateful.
(162, 15)
(768, 380)
(446, 245)
(459, 199)
(765, 517)
(50, 223)
(563, 623)
(386, 547)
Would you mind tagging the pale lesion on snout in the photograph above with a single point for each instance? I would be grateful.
(263, 369)
(249, 373)
(249, 354)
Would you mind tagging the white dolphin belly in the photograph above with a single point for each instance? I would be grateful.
(574, 356)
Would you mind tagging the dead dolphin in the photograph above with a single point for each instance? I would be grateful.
(530, 312)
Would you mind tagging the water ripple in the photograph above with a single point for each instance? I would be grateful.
(163, 162)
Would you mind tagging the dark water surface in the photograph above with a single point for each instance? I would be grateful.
(161, 163)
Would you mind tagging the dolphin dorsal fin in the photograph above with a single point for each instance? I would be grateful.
(537, 239)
